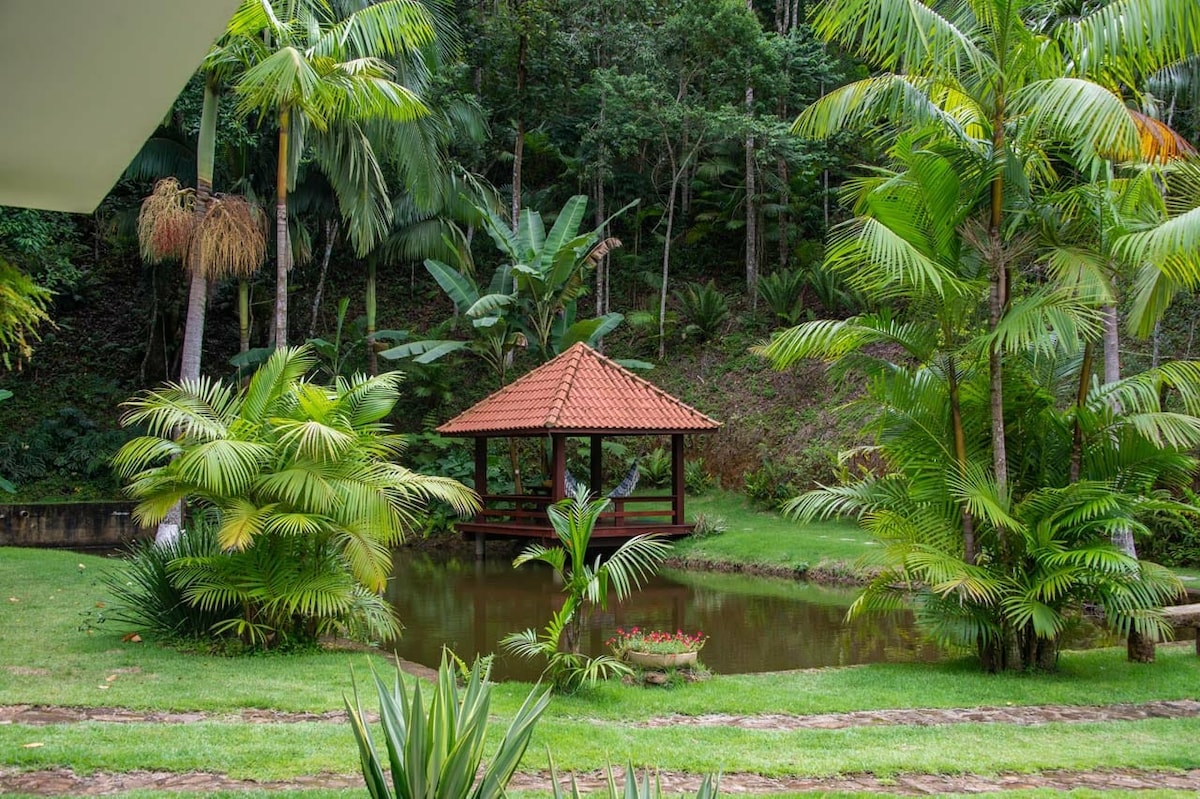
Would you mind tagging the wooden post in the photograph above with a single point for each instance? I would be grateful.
(481, 457)
(597, 464)
(677, 481)
(558, 477)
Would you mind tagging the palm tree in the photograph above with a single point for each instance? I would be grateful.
(321, 79)
(285, 465)
(986, 74)
(587, 586)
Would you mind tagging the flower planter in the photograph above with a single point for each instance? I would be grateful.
(655, 661)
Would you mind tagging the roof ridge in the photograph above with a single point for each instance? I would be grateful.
(646, 383)
(580, 389)
(563, 390)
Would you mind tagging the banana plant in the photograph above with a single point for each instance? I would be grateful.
(549, 271)
(494, 337)
(437, 755)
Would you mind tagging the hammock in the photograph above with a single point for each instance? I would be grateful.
(623, 489)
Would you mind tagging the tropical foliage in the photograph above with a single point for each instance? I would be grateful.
(23, 306)
(995, 118)
(532, 298)
(437, 753)
(300, 479)
(587, 587)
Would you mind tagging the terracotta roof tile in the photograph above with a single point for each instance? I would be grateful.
(580, 390)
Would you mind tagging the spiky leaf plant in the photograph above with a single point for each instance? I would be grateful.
(634, 788)
(437, 755)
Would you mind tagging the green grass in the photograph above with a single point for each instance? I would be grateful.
(55, 652)
(282, 751)
(758, 537)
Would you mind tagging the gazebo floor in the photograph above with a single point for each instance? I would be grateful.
(607, 534)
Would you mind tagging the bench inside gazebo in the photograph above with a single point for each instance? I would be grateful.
(579, 394)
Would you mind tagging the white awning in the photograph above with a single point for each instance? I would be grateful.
(84, 83)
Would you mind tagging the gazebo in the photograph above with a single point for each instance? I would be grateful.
(579, 394)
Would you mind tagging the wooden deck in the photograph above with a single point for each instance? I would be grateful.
(524, 516)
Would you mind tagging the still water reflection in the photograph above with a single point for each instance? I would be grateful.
(754, 624)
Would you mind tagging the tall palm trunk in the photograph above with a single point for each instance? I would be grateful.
(372, 355)
(970, 548)
(243, 315)
(751, 204)
(283, 244)
(997, 301)
(193, 331)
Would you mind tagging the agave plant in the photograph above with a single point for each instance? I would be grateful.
(437, 755)
(634, 788)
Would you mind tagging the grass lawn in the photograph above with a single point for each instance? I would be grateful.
(56, 651)
(759, 537)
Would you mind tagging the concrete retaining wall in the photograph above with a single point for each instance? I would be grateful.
(77, 525)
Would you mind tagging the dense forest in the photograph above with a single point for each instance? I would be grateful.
(672, 118)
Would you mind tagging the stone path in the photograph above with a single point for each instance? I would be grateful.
(64, 782)
(59, 782)
(1021, 715)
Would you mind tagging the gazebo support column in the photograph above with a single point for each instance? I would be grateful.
(558, 469)
(481, 488)
(677, 480)
(597, 464)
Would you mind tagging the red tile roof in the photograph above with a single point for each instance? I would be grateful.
(579, 391)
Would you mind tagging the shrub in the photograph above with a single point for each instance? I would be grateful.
(705, 308)
(1173, 539)
(769, 484)
(301, 485)
(67, 445)
(149, 598)
(707, 526)
(633, 789)
(586, 586)
(655, 467)
(696, 478)
(783, 292)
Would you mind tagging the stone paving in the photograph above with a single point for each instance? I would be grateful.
(61, 782)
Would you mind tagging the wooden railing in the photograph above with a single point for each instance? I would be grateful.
(530, 509)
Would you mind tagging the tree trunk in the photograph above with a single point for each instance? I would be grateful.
(330, 226)
(998, 301)
(751, 203)
(1085, 381)
(960, 456)
(519, 143)
(193, 329)
(785, 201)
(244, 315)
(1112, 343)
(1139, 648)
(283, 243)
(372, 355)
(666, 267)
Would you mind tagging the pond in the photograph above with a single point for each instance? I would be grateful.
(754, 624)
